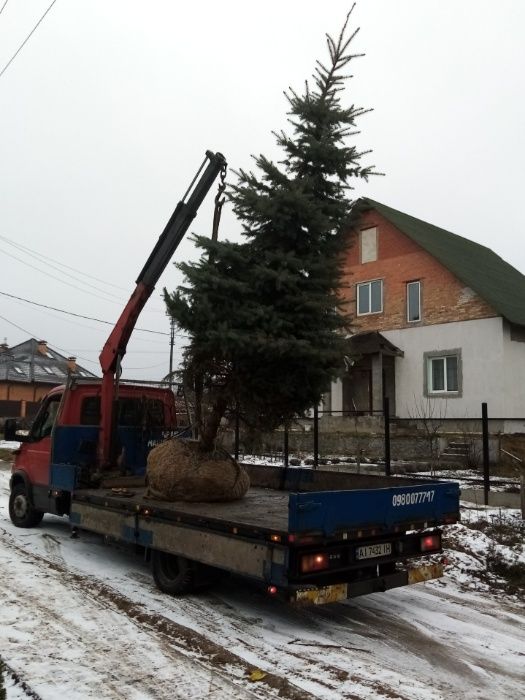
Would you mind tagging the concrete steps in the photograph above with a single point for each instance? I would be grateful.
(456, 451)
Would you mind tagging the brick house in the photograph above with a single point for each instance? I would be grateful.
(436, 317)
(28, 371)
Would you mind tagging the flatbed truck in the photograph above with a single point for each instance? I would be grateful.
(306, 535)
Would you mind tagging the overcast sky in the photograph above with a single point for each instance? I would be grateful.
(107, 111)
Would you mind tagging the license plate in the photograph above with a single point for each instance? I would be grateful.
(371, 551)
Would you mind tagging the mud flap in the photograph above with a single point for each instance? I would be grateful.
(426, 572)
(321, 595)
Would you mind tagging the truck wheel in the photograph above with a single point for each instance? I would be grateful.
(172, 574)
(21, 510)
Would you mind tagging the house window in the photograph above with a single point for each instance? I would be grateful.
(370, 297)
(414, 301)
(443, 373)
(368, 244)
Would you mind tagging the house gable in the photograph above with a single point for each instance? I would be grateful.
(400, 260)
(478, 267)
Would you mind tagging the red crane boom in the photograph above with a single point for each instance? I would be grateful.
(116, 344)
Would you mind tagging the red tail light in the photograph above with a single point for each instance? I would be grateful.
(430, 543)
(314, 562)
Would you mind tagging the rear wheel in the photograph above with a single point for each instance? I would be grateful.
(172, 574)
(21, 509)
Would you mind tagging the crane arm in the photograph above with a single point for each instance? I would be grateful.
(116, 344)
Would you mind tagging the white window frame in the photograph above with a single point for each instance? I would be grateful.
(443, 355)
(368, 284)
(414, 320)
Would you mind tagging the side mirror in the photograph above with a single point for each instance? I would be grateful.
(11, 429)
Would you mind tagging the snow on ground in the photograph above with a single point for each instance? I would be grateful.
(9, 445)
(80, 618)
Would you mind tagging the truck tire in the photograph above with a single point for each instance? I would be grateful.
(172, 574)
(21, 509)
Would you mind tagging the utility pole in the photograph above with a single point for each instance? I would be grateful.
(172, 343)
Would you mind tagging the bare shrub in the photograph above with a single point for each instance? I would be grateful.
(430, 415)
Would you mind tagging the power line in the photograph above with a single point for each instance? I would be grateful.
(48, 274)
(32, 335)
(67, 274)
(25, 40)
(79, 357)
(35, 254)
(72, 313)
(54, 267)
(40, 257)
(2, 8)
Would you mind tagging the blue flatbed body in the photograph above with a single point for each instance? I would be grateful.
(362, 529)
(385, 509)
(289, 503)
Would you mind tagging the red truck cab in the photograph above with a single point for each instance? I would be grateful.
(87, 431)
(65, 432)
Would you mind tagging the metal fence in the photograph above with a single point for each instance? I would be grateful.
(318, 443)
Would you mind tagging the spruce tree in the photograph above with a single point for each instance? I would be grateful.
(268, 332)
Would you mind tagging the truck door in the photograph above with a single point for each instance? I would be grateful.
(35, 456)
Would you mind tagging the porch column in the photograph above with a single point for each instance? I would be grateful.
(337, 397)
(377, 381)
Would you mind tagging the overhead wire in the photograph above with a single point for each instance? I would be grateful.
(2, 8)
(62, 272)
(48, 274)
(89, 327)
(40, 257)
(88, 318)
(26, 39)
(34, 335)
(79, 357)
(37, 255)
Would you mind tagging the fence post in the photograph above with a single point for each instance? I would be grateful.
(386, 416)
(522, 490)
(485, 433)
(237, 433)
(286, 454)
(316, 436)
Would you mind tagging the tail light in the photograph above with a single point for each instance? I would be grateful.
(314, 562)
(430, 543)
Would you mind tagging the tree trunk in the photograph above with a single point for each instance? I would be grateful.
(211, 425)
(198, 388)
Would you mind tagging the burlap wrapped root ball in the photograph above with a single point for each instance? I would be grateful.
(177, 470)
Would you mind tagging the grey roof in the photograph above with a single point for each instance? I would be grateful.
(25, 363)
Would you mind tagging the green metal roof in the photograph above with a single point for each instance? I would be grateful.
(497, 282)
